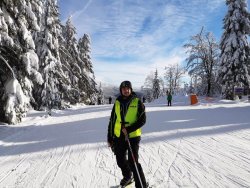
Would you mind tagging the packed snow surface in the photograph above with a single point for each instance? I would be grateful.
(203, 145)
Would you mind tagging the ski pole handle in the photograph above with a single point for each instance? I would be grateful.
(124, 130)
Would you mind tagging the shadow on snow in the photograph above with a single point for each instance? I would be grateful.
(179, 124)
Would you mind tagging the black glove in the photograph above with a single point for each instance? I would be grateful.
(124, 129)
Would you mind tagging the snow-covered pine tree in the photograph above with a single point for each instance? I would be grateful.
(48, 95)
(30, 76)
(156, 86)
(88, 77)
(234, 45)
(20, 62)
(71, 62)
(100, 95)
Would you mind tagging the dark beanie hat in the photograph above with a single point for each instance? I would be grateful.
(126, 84)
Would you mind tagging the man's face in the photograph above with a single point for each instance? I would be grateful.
(126, 91)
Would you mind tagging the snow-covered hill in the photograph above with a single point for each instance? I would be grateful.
(205, 145)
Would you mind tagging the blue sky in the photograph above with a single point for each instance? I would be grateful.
(131, 38)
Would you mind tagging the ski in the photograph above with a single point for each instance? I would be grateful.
(129, 185)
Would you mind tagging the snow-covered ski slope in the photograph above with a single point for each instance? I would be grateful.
(205, 145)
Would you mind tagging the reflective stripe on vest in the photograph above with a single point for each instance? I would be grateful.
(130, 117)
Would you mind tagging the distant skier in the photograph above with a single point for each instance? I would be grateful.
(127, 118)
(143, 99)
(99, 102)
(110, 100)
(169, 98)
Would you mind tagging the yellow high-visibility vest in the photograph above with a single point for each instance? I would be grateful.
(130, 117)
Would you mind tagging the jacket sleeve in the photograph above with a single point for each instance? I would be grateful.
(141, 118)
(112, 120)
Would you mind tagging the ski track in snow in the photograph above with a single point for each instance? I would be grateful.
(69, 149)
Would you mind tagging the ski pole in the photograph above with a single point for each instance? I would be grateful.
(133, 157)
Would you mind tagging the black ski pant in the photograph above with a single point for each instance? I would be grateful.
(169, 103)
(125, 161)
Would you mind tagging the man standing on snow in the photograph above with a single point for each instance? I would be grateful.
(127, 118)
(169, 98)
(110, 100)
